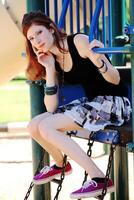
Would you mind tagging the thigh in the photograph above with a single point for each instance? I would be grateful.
(37, 119)
(41, 116)
(60, 122)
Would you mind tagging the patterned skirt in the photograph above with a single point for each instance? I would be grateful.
(97, 114)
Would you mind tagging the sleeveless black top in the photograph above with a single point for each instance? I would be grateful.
(84, 72)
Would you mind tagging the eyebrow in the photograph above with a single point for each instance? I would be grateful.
(32, 35)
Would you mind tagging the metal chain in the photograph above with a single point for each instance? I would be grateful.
(104, 191)
(37, 171)
(63, 171)
(89, 153)
(61, 177)
(29, 191)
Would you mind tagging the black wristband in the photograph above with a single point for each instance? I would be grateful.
(51, 90)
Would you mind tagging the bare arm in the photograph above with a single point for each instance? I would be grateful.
(85, 50)
(47, 60)
(51, 101)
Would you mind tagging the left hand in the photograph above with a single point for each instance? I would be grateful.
(93, 56)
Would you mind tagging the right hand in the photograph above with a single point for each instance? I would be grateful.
(45, 59)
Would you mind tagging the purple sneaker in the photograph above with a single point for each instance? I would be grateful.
(91, 189)
(49, 173)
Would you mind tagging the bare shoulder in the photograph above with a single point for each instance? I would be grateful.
(81, 42)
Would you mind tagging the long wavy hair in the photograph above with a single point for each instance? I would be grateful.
(35, 71)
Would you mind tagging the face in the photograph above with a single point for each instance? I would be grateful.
(40, 37)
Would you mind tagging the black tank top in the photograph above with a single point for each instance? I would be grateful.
(84, 72)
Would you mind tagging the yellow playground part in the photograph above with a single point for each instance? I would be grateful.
(12, 44)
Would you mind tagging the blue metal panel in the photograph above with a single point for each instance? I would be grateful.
(108, 137)
(70, 93)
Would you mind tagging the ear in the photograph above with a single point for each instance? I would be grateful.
(51, 28)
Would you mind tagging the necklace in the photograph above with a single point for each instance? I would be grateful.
(62, 78)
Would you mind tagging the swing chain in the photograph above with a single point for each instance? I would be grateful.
(104, 191)
(37, 171)
(29, 191)
(63, 170)
(61, 177)
(89, 153)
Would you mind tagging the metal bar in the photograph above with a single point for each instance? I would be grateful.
(63, 13)
(109, 23)
(77, 15)
(132, 64)
(84, 16)
(115, 50)
(124, 18)
(47, 8)
(56, 11)
(91, 10)
(121, 156)
(71, 16)
(64, 24)
(95, 19)
(97, 26)
(37, 107)
(103, 25)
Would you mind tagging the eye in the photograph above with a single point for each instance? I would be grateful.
(39, 32)
(31, 38)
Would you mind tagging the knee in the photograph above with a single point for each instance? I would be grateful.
(44, 129)
(33, 128)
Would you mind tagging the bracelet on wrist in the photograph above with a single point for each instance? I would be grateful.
(106, 68)
(50, 90)
(103, 63)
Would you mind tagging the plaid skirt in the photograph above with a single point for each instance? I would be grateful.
(97, 114)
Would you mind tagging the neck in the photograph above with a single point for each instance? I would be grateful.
(54, 50)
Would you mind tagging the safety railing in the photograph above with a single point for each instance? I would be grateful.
(86, 19)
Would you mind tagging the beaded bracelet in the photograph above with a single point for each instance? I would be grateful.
(51, 90)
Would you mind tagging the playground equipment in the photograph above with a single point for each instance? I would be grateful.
(113, 136)
(12, 58)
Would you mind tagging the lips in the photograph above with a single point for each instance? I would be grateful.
(40, 46)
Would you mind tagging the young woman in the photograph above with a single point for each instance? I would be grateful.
(54, 56)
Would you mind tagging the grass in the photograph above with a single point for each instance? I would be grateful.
(14, 102)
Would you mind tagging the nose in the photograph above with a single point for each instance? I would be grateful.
(37, 41)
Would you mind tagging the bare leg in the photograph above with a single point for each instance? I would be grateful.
(35, 134)
(52, 129)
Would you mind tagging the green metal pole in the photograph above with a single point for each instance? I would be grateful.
(42, 192)
(132, 65)
(117, 28)
(121, 157)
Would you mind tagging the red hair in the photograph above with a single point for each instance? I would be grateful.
(35, 70)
